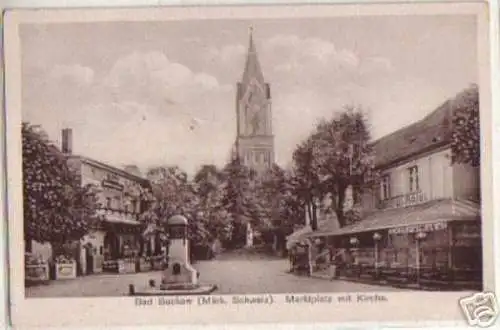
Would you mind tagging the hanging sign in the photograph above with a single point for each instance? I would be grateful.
(428, 227)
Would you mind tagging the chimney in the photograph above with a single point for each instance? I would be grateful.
(67, 141)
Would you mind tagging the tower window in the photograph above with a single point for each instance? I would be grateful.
(266, 157)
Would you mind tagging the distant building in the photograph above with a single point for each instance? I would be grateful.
(254, 143)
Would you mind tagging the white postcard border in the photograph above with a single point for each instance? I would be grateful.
(401, 308)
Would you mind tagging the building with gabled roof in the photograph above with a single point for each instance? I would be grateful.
(425, 215)
(116, 240)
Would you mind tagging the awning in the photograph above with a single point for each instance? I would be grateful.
(121, 220)
(297, 236)
(431, 212)
(114, 217)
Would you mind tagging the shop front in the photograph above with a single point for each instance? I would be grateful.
(435, 245)
(121, 245)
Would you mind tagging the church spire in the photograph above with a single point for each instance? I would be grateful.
(252, 65)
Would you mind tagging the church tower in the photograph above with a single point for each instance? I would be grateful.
(254, 141)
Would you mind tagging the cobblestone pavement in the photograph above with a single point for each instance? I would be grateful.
(233, 274)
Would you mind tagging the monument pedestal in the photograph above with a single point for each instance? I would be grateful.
(179, 277)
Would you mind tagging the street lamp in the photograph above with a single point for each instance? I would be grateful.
(419, 236)
(354, 241)
(376, 239)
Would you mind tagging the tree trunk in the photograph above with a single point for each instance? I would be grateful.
(339, 209)
(309, 211)
(314, 219)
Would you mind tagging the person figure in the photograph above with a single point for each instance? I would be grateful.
(291, 257)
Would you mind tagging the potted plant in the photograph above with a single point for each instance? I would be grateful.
(110, 265)
(65, 267)
(36, 270)
(144, 264)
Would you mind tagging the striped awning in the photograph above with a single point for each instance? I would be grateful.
(429, 213)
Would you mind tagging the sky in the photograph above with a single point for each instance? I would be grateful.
(163, 93)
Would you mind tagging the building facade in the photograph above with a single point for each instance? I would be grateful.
(254, 143)
(422, 223)
(118, 233)
(415, 166)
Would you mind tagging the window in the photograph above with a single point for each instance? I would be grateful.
(413, 179)
(132, 205)
(257, 157)
(118, 203)
(385, 187)
(108, 202)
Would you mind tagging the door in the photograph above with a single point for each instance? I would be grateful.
(89, 259)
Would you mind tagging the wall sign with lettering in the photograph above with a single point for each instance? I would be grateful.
(428, 227)
(112, 185)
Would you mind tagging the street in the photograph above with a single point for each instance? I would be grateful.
(232, 273)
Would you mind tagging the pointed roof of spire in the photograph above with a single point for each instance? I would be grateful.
(252, 65)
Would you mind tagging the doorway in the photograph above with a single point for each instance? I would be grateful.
(89, 259)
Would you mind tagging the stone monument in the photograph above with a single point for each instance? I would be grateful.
(180, 271)
(179, 277)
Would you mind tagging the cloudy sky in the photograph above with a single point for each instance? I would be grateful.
(151, 93)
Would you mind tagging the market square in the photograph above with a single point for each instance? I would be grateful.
(158, 190)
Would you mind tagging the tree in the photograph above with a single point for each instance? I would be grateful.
(57, 209)
(172, 192)
(173, 195)
(345, 159)
(466, 137)
(335, 157)
(280, 208)
(208, 185)
(306, 180)
(237, 200)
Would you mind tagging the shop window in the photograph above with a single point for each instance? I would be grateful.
(385, 187)
(413, 179)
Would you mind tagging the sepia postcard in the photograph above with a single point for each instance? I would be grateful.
(250, 164)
